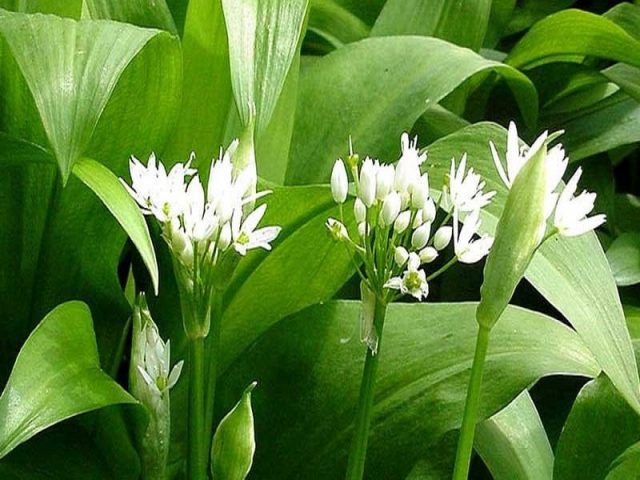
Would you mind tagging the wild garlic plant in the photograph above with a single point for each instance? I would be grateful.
(150, 379)
(537, 208)
(400, 233)
(207, 233)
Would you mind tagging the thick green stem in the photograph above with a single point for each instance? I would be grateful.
(468, 429)
(198, 456)
(212, 353)
(358, 453)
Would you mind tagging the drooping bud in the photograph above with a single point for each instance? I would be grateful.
(402, 222)
(337, 230)
(339, 182)
(428, 254)
(401, 256)
(442, 237)
(420, 236)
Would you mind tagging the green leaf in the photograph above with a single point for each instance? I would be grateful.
(260, 62)
(516, 239)
(335, 24)
(624, 258)
(463, 23)
(513, 443)
(207, 97)
(626, 465)
(310, 370)
(570, 35)
(116, 198)
(71, 69)
(144, 13)
(600, 427)
(405, 75)
(571, 273)
(56, 376)
(234, 441)
(63, 8)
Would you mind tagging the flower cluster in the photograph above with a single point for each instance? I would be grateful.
(202, 225)
(399, 228)
(569, 211)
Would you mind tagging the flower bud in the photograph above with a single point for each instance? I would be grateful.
(402, 222)
(400, 256)
(429, 211)
(225, 237)
(362, 229)
(428, 254)
(359, 211)
(384, 181)
(420, 236)
(442, 237)
(420, 192)
(390, 209)
(417, 220)
(337, 229)
(367, 187)
(339, 182)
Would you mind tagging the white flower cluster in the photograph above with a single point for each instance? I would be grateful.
(570, 217)
(202, 225)
(396, 216)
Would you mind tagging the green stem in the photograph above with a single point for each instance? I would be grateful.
(212, 354)
(357, 455)
(443, 269)
(198, 455)
(468, 429)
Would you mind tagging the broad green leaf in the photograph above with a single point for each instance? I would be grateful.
(632, 316)
(260, 62)
(608, 124)
(501, 14)
(335, 24)
(626, 465)
(513, 443)
(627, 16)
(405, 75)
(71, 69)
(600, 427)
(309, 369)
(234, 441)
(63, 8)
(516, 239)
(570, 35)
(624, 258)
(571, 273)
(63, 451)
(207, 97)
(56, 376)
(144, 13)
(528, 12)
(463, 23)
(116, 198)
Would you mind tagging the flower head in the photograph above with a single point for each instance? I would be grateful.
(571, 212)
(468, 249)
(244, 233)
(465, 190)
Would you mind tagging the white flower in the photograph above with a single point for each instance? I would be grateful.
(400, 255)
(467, 249)
(429, 211)
(465, 188)
(413, 280)
(390, 209)
(246, 237)
(339, 182)
(337, 229)
(420, 192)
(402, 221)
(359, 211)
(362, 229)
(408, 167)
(571, 212)
(442, 237)
(367, 185)
(420, 236)
(555, 162)
(158, 193)
(199, 221)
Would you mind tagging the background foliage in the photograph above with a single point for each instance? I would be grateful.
(84, 84)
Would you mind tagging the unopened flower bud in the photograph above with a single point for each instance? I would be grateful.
(337, 229)
(402, 222)
(390, 209)
(420, 192)
(225, 237)
(428, 254)
(367, 190)
(401, 256)
(420, 236)
(359, 211)
(417, 220)
(442, 237)
(384, 181)
(429, 211)
(362, 229)
(339, 182)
